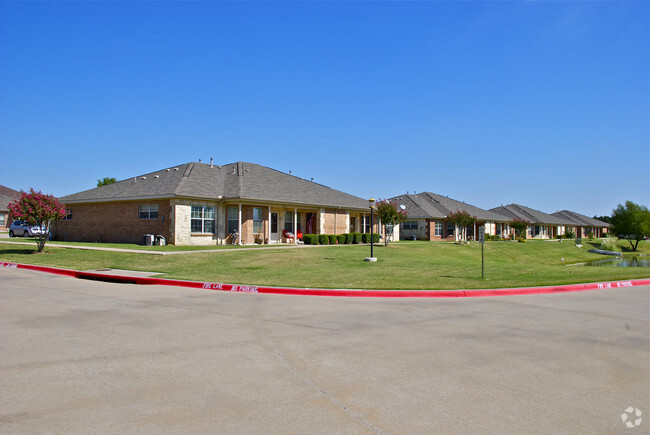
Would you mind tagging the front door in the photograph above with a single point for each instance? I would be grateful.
(275, 235)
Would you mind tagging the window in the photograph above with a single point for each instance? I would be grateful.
(233, 219)
(438, 228)
(450, 229)
(288, 221)
(366, 224)
(68, 214)
(498, 227)
(411, 225)
(258, 220)
(202, 219)
(3, 222)
(536, 233)
(149, 211)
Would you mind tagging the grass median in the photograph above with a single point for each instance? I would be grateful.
(402, 266)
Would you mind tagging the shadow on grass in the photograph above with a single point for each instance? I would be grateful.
(24, 251)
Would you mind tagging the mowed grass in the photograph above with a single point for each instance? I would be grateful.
(420, 265)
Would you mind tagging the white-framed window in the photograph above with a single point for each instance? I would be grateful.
(3, 220)
(288, 221)
(366, 224)
(411, 225)
(68, 215)
(258, 220)
(233, 219)
(202, 219)
(439, 228)
(149, 211)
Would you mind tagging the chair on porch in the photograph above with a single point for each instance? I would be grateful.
(288, 237)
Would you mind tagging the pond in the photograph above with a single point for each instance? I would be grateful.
(634, 261)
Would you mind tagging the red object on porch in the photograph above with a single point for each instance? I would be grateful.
(299, 235)
(288, 236)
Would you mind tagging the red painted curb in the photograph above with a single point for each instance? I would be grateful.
(333, 292)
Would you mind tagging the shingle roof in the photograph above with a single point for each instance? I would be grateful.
(580, 219)
(512, 211)
(4, 202)
(429, 205)
(5, 191)
(239, 180)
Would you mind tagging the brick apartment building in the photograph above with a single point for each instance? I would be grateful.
(206, 204)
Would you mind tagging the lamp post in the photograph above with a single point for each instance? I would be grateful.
(372, 258)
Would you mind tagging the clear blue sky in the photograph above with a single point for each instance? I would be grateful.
(544, 104)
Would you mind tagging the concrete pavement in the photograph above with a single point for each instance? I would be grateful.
(81, 356)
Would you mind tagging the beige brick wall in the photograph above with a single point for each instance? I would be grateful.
(115, 222)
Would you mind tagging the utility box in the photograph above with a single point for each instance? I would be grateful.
(160, 240)
(147, 239)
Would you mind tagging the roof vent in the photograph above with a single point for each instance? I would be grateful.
(156, 176)
(211, 163)
(167, 170)
(175, 169)
(144, 178)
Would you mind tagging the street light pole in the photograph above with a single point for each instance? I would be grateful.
(372, 258)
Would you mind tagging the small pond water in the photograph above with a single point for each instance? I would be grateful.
(622, 262)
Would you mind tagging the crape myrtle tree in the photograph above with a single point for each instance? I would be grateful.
(520, 226)
(631, 222)
(462, 220)
(37, 209)
(390, 214)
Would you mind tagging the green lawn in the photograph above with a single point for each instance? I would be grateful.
(400, 266)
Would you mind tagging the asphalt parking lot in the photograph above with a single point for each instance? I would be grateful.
(81, 356)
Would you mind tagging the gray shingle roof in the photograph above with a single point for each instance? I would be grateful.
(4, 202)
(240, 180)
(429, 205)
(512, 211)
(580, 219)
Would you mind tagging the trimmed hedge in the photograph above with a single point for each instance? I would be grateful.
(323, 239)
(333, 239)
(310, 239)
(342, 238)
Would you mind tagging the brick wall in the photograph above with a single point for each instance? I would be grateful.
(114, 222)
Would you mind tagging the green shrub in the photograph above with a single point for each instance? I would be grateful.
(348, 239)
(356, 238)
(569, 234)
(333, 239)
(323, 239)
(341, 238)
(310, 239)
(365, 237)
(376, 237)
(521, 240)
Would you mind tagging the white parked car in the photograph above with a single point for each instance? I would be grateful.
(21, 229)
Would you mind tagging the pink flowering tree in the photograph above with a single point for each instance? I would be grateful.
(390, 215)
(37, 209)
(463, 220)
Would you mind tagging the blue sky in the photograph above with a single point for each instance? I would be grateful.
(544, 104)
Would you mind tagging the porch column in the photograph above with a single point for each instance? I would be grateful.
(239, 223)
(269, 226)
(295, 223)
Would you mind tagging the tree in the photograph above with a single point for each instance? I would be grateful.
(631, 222)
(390, 214)
(37, 209)
(462, 220)
(106, 181)
(520, 226)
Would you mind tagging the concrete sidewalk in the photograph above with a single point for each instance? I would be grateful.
(144, 251)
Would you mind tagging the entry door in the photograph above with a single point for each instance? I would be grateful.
(275, 235)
